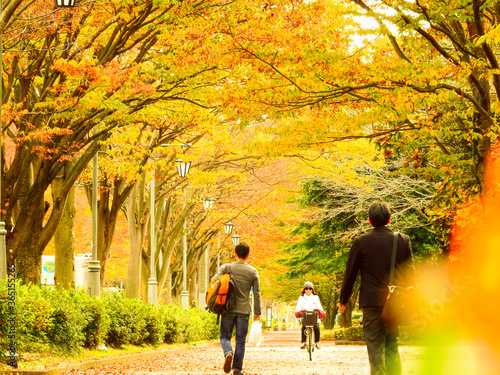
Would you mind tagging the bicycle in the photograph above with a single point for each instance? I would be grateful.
(309, 320)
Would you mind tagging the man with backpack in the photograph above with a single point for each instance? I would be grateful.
(245, 278)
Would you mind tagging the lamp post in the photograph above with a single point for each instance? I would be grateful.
(183, 170)
(228, 229)
(236, 239)
(152, 282)
(3, 232)
(183, 167)
(204, 266)
(94, 264)
(65, 3)
(208, 203)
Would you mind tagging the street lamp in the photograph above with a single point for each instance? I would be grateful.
(183, 167)
(3, 232)
(183, 170)
(204, 266)
(236, 239)
(65, 3)
(228, 228)
(208, 203)
(94, 266)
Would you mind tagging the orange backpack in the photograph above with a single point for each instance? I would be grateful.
(220, 293)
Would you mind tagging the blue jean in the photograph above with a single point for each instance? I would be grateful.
(227, 323)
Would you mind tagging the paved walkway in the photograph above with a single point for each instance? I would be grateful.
(279, 353)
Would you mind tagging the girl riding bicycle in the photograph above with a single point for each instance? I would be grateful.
(308, 300)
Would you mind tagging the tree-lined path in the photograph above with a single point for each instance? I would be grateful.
(279, 353)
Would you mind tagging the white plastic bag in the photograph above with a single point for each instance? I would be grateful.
(255, 334)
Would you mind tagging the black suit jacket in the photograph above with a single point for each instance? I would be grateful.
(370, 256)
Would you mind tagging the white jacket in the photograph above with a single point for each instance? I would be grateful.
(306, 302)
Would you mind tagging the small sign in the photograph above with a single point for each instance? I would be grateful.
(49, 267)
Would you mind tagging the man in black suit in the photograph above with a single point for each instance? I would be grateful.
(370, 255)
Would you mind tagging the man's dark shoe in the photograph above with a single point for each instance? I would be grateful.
(228, 361)
(238, 372)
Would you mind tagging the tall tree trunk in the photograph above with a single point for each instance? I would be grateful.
(144, 277)
(28, 239)
(329, 301)
(29, 264)
(203, 275)
(482, 123)
(193, 286)
(168, 240)
(137, 218)
(481, 158)
(108, 209)
(29, 222)
(64, 237)
(167, 289)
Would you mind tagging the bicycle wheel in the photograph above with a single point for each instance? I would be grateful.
(310, 342)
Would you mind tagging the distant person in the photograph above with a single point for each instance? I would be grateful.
(308, 300)
(370, 256)
(245, 279)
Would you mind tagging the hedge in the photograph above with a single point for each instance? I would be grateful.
(354, 333)
(51, 319)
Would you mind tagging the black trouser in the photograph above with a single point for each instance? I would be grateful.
(316, 333)
(381, 343)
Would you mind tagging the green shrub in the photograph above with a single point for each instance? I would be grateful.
(356, 315)
(210, 327)
(263, 321)
(4, 317)
(193, 330)
(127, 320)
(202, 325)
(176, 322)
(67, 318)
(182, 326)
(155, 326)
(137, 310)
(34, 318)
(354, 333)
(53, 319)
(46, 319)
(328, 334)
(97, 321)
(339, 333)
(133, 322)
